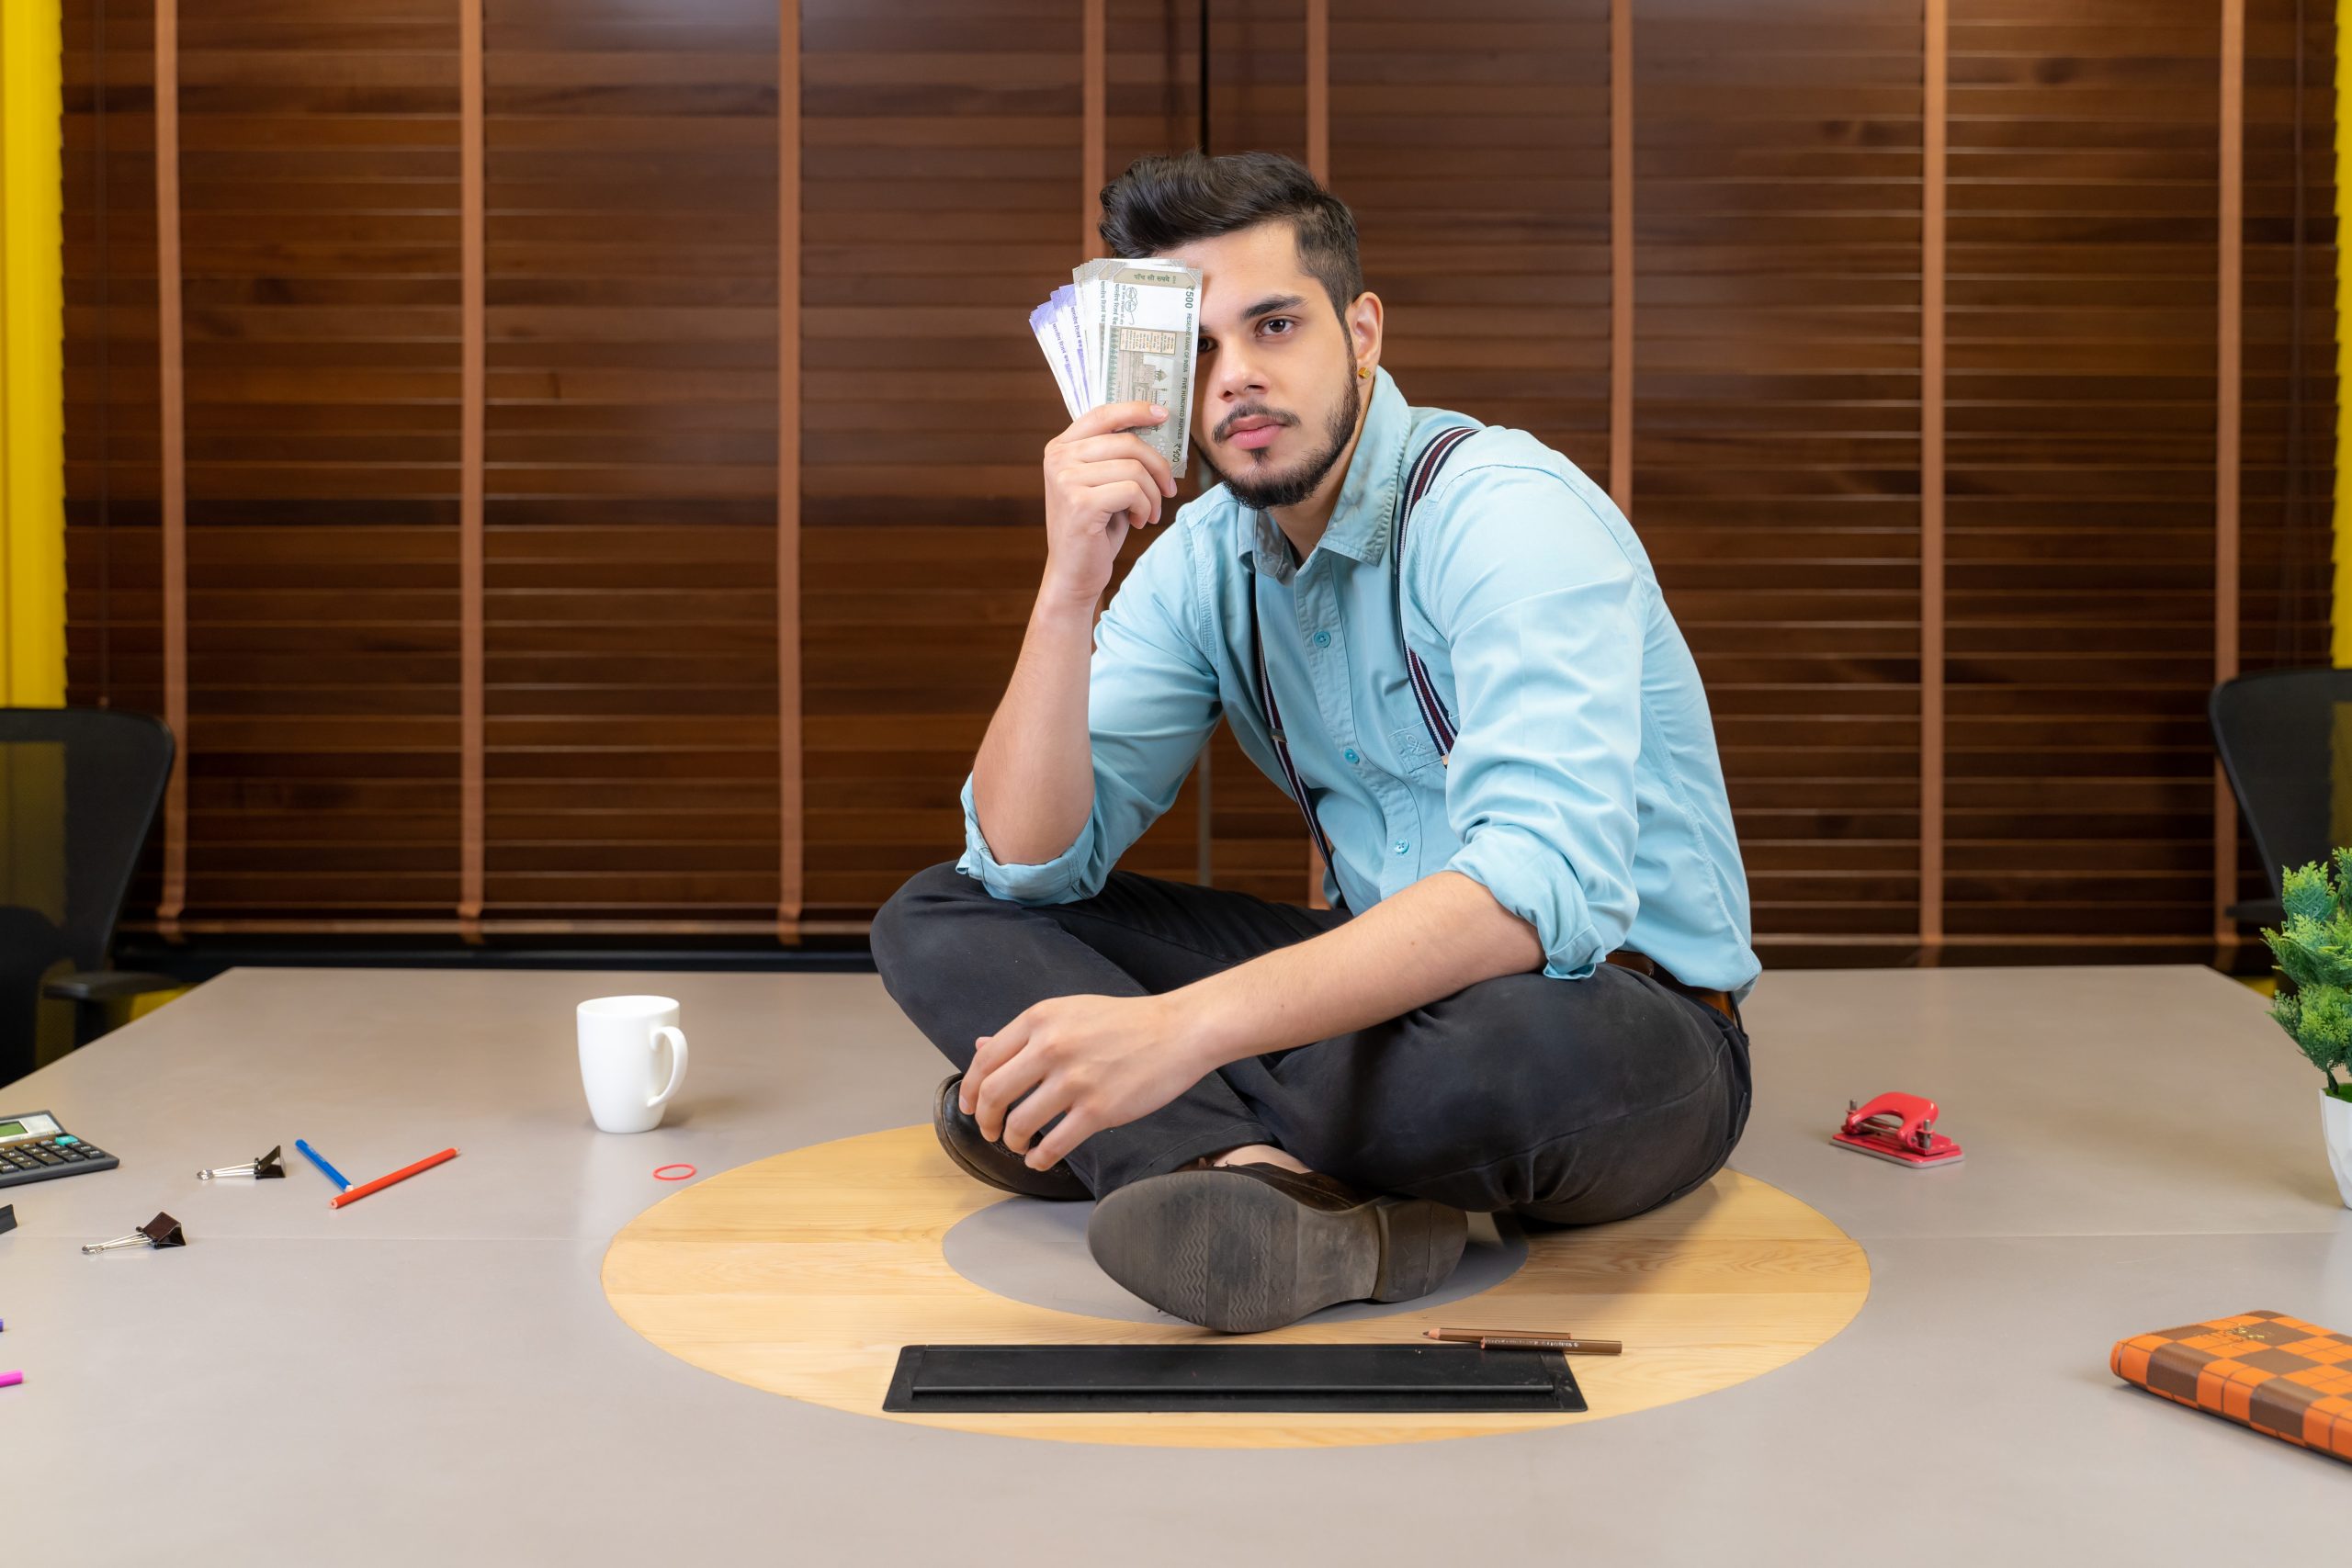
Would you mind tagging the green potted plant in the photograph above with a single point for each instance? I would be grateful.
(2314, 950)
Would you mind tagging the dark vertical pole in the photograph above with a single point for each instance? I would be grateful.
(472, 416)
(1205, 772)
(791, 801)
(171, 367)
(2227, 399)
(1934, 125)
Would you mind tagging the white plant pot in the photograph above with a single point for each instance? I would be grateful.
(2335, 1122)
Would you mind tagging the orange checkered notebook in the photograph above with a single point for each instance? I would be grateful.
(2276, 1374)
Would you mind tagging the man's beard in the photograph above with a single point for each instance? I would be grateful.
(1289, 489)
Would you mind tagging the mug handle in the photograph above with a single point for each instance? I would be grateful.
(677, 1042)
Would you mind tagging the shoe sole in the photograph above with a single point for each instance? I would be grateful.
(1229, 1252)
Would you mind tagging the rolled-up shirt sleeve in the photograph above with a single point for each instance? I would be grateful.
(1545, 615)
(1151, 704)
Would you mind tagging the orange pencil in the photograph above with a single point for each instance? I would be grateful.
(427, 1163)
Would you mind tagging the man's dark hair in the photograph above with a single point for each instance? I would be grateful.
(1165, 201)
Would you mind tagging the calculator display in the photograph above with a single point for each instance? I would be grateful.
(11, 1129)
(28, 1127)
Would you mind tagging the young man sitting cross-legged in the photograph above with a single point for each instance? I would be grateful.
(1525, 993)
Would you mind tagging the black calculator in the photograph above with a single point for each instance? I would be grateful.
(34, 1149)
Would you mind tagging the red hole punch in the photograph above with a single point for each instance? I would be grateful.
(1898, 1127)
(685, 1170)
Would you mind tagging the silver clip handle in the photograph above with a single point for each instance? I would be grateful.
(136, 1238)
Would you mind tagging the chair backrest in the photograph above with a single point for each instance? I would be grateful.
(2285, 736)
(79, 789)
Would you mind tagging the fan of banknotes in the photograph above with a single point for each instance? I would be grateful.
(1128, 331)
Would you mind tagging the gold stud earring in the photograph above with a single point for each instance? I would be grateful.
(1364, 369)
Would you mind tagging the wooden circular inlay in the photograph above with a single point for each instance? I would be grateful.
(806, 1273)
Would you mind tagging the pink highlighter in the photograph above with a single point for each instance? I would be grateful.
(10, 1380)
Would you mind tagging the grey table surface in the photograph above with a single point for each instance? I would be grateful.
(434, 1374)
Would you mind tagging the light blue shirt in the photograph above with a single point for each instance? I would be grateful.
(1583, 790)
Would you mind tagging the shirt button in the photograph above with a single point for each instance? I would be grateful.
(1322, 640)
(1400, 846)
(1350, 753)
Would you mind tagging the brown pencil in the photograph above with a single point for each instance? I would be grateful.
(1516, 1341)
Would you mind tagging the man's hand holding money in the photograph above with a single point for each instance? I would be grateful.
(1101, 478)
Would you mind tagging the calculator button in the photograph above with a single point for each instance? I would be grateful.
(67, 1138)
(47, 1158)
(89, 1152)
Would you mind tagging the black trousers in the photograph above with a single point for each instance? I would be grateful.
(1572, 1101)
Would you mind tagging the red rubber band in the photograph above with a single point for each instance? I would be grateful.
(659, 1169)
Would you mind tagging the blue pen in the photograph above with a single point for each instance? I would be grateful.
(343, 1183)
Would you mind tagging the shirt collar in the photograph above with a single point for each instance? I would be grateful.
(1366, 510)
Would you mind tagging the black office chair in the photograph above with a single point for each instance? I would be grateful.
(79, 789)
(2277, 733)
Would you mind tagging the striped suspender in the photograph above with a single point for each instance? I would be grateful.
(1424, 475)
(1441, 731)
(1274, 727)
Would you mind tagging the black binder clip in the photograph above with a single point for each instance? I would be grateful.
(160, 1232)
(8, 1217)
(261, 1167)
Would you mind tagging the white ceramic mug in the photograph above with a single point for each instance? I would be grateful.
(620, 1045)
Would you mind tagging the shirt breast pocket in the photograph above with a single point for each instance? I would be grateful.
(1418, 754)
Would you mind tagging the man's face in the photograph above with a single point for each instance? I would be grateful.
(1275, 396)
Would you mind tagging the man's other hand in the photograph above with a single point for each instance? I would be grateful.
(1096, 1062)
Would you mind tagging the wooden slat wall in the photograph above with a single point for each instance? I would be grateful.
(113, 461)
(2083, 331)
(1477, 160)
(1776, 427)
(317, 196)
(637, 751)
(941, 168)
(1151, 99)
(1258, 101)
(2082, 516)
(2286, 468)
(630, 576)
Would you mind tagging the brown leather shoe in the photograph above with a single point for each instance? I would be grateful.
(984, 1159)
(1248, 1247)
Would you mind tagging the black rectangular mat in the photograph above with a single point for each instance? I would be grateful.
(1231, 1377)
